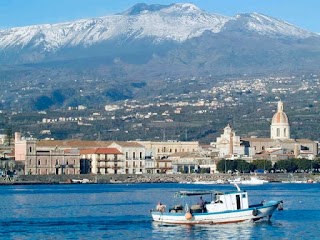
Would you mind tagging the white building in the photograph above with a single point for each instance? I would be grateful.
(134, 156)
(228, 145)
(280, 128)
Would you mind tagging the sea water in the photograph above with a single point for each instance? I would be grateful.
(121, 211)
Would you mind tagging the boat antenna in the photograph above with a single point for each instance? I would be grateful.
(236, 185)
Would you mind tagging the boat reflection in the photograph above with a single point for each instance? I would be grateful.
(229, 231)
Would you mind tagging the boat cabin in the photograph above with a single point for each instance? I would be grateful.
(228, 201)
(220, 201)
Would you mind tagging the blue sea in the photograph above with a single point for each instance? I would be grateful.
(121, 211)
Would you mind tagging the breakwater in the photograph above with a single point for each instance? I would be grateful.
(151, 178)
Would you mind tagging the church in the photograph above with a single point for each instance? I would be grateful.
(279, 146)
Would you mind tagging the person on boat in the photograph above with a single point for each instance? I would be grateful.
(202, 204)
(161, 207)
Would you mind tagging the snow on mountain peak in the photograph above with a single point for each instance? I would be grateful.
(176, 22)
(184, 7)
(143, 8)
(266, 25)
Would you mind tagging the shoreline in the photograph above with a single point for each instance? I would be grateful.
(150, 178)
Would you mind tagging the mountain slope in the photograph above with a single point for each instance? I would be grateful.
(152, 24)
(108, 57)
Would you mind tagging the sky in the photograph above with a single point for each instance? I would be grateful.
(16, 13)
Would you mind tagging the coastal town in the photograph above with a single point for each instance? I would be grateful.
(33, 157)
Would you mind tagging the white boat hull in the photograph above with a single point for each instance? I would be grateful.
(252, 213)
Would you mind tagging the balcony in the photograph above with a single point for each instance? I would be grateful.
(115, 167)
(109, 160)
(109, 167)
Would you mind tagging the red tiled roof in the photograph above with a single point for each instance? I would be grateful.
(72, 143)
(100, 151)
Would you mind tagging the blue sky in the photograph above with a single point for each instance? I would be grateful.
(15, 13)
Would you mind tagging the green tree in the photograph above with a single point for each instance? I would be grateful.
(244, 166)
(302, 164)
(226, 165)
(288, 165)
(262, 164)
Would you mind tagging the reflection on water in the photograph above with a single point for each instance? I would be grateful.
(226, 231)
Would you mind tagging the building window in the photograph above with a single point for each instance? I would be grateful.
(39, 162)
(134, 155)
(127, 155)
(285, 132)
(30, 149)
(278, 132)
(140, 155)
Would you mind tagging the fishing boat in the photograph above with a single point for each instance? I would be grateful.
(224, 207)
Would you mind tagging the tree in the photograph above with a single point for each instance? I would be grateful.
(288, 165)
(244, 166)
(226, 165)
(262, 164)
(302, 164)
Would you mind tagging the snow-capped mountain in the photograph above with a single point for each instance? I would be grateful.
(176, 22)
(266, 25)
(129, 54)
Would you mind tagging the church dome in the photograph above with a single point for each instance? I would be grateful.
(280, 117)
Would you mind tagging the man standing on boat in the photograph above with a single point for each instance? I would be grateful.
(160, 207)
(202, 204)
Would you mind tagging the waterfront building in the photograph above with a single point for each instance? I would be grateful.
(56, 161)
(44, 157)
(134, 156)
(159, 151)
(193, 162)
(104, 160)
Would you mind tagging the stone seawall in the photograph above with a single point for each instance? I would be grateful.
(149, 178)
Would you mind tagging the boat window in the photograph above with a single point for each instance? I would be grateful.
(244, 196)
(238, 201)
